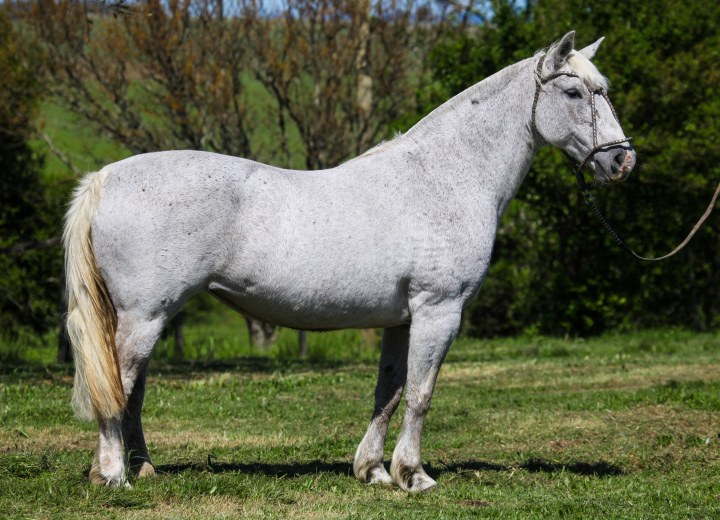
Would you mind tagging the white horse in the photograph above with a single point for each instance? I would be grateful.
(398, 238)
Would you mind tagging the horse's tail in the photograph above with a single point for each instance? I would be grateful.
(92, 319)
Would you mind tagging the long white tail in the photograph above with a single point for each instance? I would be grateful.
(92, 320)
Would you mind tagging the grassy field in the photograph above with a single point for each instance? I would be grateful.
(622, 426)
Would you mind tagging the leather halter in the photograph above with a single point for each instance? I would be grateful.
(577, 168)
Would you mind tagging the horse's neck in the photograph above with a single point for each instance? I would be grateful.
(481, 139)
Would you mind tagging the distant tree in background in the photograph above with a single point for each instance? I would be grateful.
(340, 71)
(30, 261)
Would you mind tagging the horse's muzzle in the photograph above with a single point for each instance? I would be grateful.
(614, 164)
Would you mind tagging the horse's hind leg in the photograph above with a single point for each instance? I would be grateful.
(368, 466)
(136, 452)
(135, 340)
(108, 468)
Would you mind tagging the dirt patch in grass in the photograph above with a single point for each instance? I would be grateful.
(475, 503)
(182, 436)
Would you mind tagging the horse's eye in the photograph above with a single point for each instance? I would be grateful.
(573, 94)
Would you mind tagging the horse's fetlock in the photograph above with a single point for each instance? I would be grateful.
(365, 469)
(97, 478)
(411, 478)
(376, 474)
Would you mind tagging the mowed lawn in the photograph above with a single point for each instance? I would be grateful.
(622, 426)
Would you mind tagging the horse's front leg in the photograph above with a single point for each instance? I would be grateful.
(368, 466)
(432, 331)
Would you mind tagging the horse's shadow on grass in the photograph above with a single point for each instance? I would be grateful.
(273, 470)
(535, 465)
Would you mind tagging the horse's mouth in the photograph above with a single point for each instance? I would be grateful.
(604, 177)
(616, 175)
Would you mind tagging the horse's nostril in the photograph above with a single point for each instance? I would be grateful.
(619, 158)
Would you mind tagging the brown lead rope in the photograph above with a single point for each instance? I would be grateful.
(589, 201)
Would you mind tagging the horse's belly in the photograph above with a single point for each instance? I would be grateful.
(318, 308)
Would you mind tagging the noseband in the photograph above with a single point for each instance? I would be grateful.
(577, 168)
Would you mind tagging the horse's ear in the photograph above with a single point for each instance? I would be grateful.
(563, 50)
(590, 50)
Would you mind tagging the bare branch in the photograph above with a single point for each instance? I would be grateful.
(60, 154)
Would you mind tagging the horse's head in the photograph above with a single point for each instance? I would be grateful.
(572, 111)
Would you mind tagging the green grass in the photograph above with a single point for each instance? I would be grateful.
(622, 426)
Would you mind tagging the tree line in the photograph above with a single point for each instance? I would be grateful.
(310, 84)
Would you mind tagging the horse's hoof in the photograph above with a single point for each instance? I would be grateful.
(98, 479)
(412, 480)
(146, 470)
(423, 485)
(419, 483)
(378, 475)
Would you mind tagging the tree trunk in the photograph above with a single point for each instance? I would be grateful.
(262, 335)
(369, 337)
(302, 343)
(698, 322)
(364, 80)
(179, 344)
